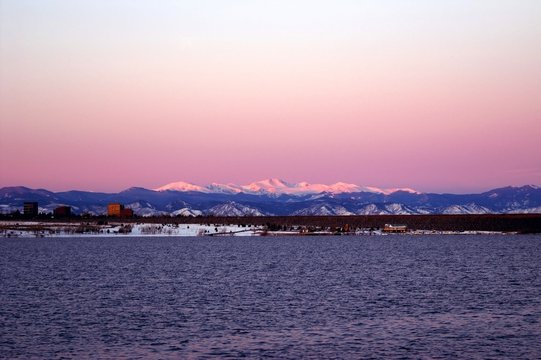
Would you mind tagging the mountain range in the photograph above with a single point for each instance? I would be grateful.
(278, 187)
(278, 197)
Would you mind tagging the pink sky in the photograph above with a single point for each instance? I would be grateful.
(99, 95)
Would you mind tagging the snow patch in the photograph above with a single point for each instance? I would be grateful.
(466, 209)
(234, 209)
(187, 212)
(323, 210)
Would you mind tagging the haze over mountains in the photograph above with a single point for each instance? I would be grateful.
(278, 197)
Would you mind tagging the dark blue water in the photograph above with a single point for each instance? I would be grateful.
(315, 297)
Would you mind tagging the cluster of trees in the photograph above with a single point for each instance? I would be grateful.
(524, 223)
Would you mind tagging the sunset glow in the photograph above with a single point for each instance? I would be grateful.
(435, 96)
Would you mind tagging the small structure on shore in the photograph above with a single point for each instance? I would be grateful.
(118, 210)
(395, 228)
(62, 212)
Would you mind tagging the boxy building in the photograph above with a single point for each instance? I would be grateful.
(30, 208)
(114, 209)
(394, 228)
(126, 212)
(118, 210)
(62, 211)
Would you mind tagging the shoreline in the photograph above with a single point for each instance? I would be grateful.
(519, 223)
(59, 229)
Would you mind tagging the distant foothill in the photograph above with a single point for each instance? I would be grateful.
(268, 198)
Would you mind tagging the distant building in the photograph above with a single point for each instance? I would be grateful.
(116, 209)
(395, 228)
(62, 211)
(30, 208)
(126, 213)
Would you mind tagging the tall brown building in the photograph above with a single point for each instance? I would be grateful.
(116, 209)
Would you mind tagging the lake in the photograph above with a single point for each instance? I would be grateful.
(279, 297)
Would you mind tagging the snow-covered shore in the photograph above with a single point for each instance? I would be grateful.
(10, 229)
(59, 229)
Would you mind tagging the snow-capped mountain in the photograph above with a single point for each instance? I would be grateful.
(234, 209)
(269, 186)
(323, 210)
(145, 209)
(278, 187)
(182, 186)
(388, 209)
(187, 212)
(223, 188)
(277, 197)
(466, 209)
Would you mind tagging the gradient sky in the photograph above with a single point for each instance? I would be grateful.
(440, 96)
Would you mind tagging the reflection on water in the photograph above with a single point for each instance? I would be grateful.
(428, 296)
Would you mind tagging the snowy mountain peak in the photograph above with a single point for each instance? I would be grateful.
(408, 190)
(323, 210)
(342, 187)
(268, 185)
(274, 182)
(465, 209)
(232, 208)
(275, 186)
(182, 186)
(187, 212)
(224, 188)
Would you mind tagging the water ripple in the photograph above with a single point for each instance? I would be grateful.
(325, 297)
